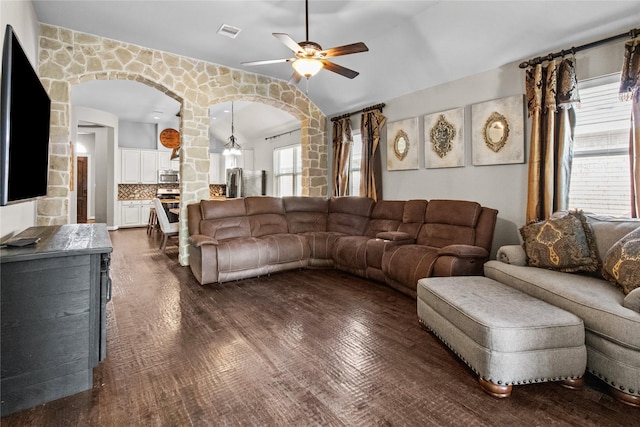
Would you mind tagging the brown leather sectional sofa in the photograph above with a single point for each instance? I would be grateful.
(394, 242)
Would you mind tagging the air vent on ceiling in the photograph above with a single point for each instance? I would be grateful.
(229, 31)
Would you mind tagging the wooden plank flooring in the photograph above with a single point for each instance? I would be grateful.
(302, 348)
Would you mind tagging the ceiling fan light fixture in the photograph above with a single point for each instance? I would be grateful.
(307, 66)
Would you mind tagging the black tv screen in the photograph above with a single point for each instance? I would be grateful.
(25, 111)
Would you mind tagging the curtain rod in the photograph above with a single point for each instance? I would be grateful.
(280, 134)
(538, 60)
(364, 110)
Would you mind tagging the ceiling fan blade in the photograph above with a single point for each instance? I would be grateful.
(339, 69)
(295, 78)
(344, 50)
(289, 42)
(268, 61)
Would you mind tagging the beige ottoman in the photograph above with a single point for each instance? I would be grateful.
(507, 337)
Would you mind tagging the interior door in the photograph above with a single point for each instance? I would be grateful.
(82, 190)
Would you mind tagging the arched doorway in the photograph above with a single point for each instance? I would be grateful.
(66, 59)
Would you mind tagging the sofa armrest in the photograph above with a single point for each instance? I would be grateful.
(460, 260)
(464, 251)
(512, 254)
(200, 239)
(396, 236)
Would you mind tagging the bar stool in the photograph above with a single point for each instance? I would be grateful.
(153, 220)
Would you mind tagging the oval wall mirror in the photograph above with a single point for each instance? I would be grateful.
(401, 144)
(496, 131)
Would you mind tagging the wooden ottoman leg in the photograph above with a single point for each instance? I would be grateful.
(627, 399)
(573, 383)
(495, 390)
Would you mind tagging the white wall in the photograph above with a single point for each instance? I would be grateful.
(503, 187)
(21, 16)
(105, 163)
(86, 147)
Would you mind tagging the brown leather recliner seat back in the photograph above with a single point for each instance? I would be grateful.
(386, 216)
(413, 217)
(449, 222)
(224, 219)
(266, 215)
(349, 214)
(306, 214)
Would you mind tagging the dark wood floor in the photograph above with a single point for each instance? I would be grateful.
(303, 348)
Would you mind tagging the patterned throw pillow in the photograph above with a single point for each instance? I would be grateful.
(561, 243)
(622, 262)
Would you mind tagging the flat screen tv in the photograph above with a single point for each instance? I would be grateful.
(25, 111)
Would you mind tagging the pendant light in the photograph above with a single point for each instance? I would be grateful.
(232, 148)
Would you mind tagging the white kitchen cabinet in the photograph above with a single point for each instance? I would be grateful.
(165, 162)
(130, 166)
(134, 213)
(145, 208)
(138, 166)
(148, 167)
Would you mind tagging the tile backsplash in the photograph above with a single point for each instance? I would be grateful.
(148, 191)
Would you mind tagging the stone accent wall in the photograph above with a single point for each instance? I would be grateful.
(69, 57)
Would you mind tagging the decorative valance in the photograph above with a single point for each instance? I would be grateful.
(552, 86)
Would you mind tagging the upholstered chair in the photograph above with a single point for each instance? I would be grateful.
(168, 228)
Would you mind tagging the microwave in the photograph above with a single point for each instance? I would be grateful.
(168, 177)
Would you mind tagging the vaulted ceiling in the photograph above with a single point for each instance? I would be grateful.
(412, 44)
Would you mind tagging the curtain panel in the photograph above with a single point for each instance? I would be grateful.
(371, 166)
(342, 139)
(552, 91)
(629, 84)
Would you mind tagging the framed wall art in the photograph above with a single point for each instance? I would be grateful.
(498, 131)
(402, 144)
(444, 139)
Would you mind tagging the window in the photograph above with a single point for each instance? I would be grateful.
(287, 171)
(600, 169)
(355, 163)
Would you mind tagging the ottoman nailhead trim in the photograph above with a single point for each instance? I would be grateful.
(514, 382)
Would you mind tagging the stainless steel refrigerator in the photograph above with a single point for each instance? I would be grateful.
(242, 183)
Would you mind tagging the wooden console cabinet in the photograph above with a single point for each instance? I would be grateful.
(53, 313)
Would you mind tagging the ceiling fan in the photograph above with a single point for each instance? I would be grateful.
(311, 58)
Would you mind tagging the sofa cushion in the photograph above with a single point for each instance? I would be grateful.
(349, 215)
(564, 244)
(592, 299)
(413, 217)
(242, 254)
(266, 224)
(321, 244)
(386, 216)
(284, 248)
(256, 205)
(449, 222)
(213, 209)
(622, 262)
(607, 230)
(632, 300)
(226, 228)
(350, 251)
(224, 219)
(404, 265)
(306, 214)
